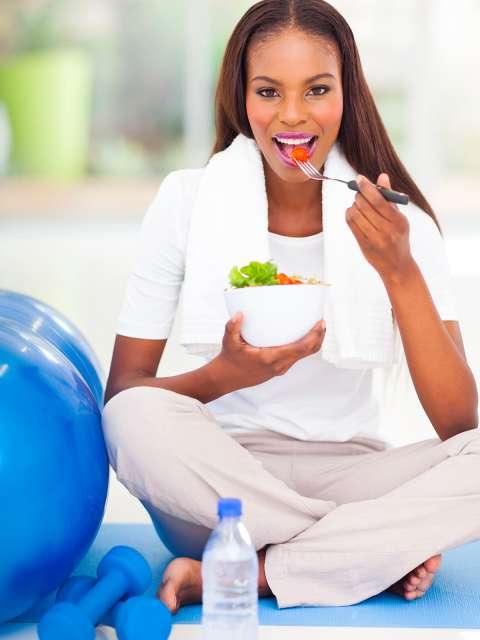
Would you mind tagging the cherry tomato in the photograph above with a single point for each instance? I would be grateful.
(300, 154)
(282, 278)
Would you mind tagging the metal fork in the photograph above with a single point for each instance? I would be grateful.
(390, 195)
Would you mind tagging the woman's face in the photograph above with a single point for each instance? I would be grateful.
(294, 92)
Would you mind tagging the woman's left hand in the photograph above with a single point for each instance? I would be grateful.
(381, 230)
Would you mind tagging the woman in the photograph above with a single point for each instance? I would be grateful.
(335, 514)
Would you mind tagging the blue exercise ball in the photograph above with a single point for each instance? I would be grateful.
(53, 468)
(51, 325)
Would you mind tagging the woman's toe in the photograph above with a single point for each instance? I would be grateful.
(412, 581)
(421, 571)
(426, 583)
(433, 564)
(167, 594)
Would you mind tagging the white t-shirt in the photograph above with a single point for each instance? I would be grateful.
(313, 400)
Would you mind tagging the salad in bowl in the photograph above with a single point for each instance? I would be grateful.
(277, 308)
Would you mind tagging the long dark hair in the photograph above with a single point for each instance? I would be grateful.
(362, 136)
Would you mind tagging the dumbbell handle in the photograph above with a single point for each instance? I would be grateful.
(137, 617)
(76, 587)
(104, 594)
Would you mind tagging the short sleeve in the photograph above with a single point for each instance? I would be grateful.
(429, 251)
(152, 290)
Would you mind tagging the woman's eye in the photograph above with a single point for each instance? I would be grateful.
(320, 90)
(266, 93)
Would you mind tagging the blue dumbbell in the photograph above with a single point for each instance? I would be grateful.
(138, 617)
(123, 572)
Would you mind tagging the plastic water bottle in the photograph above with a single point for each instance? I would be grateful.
(230, 578)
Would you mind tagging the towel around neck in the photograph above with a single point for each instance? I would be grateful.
(229, 226)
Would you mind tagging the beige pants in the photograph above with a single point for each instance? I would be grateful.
(341, 521)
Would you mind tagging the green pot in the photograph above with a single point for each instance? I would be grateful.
(48, 98)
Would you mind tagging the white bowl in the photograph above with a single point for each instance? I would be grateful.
(275, 315)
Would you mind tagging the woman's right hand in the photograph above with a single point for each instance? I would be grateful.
(247, 366)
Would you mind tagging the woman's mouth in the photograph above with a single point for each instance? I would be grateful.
(285, 144)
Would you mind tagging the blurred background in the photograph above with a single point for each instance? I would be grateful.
(100, 99)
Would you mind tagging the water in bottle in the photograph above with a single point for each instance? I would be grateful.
(230, 578)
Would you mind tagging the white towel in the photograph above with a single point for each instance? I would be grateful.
(229, 226)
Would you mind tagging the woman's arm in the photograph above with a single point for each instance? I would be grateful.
(135, 362)
(434, 351)
(237, 366)
(433, 348)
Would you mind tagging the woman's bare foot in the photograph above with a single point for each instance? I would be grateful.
(417, 582)
(182, 582)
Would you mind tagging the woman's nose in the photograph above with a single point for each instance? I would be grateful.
(292, 112)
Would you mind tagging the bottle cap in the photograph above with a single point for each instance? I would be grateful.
(229, 507)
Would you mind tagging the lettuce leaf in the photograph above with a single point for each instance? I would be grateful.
(253, 274)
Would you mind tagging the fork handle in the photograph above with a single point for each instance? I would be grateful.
(388, 194)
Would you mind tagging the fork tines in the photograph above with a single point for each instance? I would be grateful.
(309, 170)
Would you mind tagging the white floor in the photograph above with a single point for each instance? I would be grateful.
(80, 268)
(193, 632)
